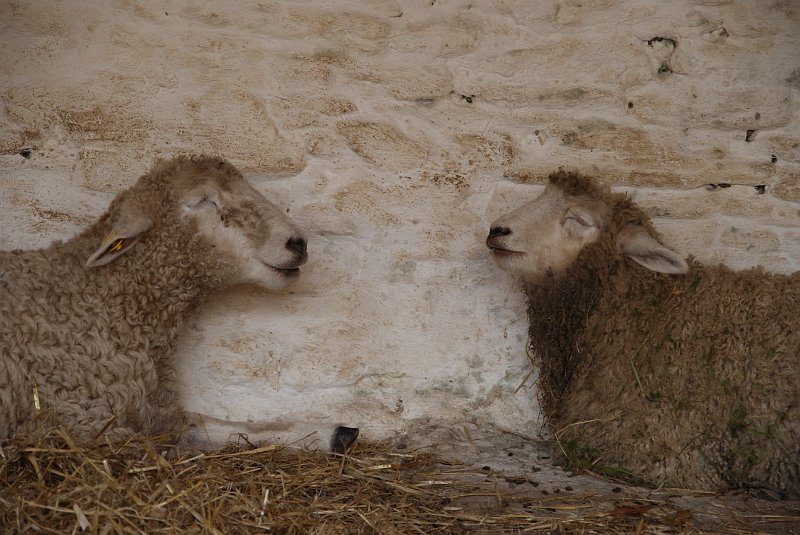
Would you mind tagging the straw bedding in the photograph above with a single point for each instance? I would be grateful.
(50, 484)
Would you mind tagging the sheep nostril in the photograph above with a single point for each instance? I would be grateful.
(495, 232)
(297, 245)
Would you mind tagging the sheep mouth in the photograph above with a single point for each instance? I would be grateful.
(501, 252)
(286, 272)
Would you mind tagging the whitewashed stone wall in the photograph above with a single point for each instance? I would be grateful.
(394, 132)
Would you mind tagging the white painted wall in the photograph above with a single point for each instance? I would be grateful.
(395, 132)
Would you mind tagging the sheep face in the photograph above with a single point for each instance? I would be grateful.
(207, 201)
(545, 235)
(263, 245)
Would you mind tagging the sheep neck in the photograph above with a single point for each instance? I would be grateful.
(559, 307)
(155, 285)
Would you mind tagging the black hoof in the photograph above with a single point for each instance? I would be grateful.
(343, 438)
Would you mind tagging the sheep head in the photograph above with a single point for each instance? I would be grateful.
(208, 199)
(547, 234)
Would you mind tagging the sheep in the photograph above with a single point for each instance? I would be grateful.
(653, 367)
(89, 326)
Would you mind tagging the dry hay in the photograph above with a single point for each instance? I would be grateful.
(50, 484)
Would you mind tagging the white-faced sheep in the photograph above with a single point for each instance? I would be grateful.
(89, 326)
(666, 370)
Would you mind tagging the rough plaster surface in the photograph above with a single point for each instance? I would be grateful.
(394, 132)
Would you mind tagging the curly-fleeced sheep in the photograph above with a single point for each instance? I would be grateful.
(89, 326)
(671, 371)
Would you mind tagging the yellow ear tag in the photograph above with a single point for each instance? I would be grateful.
(116, 246)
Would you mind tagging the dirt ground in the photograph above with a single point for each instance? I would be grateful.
(523, 471)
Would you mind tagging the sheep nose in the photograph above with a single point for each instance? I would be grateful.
(496, 232)
(298, 245)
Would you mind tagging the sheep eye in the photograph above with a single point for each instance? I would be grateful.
(578, 220)
(202, 202)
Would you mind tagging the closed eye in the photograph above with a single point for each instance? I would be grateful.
(578, 219)
(202, 202)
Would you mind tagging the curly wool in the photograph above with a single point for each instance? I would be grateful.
(94, 345)
(689, 381)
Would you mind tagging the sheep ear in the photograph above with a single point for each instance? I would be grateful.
(637, 243)
(125, 232)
